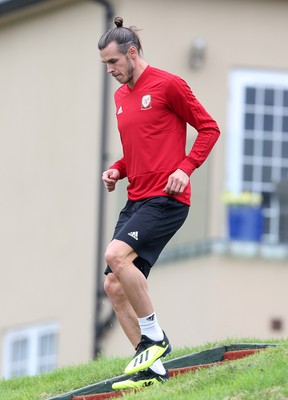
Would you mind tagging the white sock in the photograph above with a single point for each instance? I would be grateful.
(158, 367)
(149, 326)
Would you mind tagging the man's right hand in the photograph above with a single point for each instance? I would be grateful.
(110, 178)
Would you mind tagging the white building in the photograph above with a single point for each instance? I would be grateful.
(55, 216)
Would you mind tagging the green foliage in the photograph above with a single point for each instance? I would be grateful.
(243, 198)
(263, 376)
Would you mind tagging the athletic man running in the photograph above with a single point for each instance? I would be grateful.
(153, 108)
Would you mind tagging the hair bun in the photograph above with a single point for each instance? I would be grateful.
(118, 21)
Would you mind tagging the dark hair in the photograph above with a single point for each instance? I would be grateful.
(124, 37)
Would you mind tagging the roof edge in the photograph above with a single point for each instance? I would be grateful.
(14, 5)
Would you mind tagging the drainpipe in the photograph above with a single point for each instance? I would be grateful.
(99, 325)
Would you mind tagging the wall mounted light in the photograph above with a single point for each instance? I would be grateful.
(198, 53)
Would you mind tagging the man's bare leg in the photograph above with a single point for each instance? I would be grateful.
(119, 256)
(123, 309)
(133, 284)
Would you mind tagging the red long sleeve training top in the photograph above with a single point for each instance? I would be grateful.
(152, 120)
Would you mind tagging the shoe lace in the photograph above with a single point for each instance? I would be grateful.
(142, 345)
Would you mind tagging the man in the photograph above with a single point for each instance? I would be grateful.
(153, 108)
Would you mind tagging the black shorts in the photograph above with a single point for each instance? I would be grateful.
(147, 226)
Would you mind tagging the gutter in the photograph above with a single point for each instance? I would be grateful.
(9, 6)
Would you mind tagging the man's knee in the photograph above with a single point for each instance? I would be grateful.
(112, 256)
(118, 254)
(113, 288)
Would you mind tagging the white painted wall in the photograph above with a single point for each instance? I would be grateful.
(50, 105)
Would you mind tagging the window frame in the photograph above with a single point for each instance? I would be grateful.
(32, 334)
(262, 80)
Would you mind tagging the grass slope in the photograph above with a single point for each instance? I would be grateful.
(261, 376)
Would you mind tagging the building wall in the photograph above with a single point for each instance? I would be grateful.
(214, 299)
(50, 98)
(50, 80)
(238, 34)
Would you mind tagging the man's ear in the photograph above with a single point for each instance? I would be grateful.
(132, 51)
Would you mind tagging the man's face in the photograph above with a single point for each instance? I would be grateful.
(118, 64)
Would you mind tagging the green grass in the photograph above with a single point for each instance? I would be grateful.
(263, 376)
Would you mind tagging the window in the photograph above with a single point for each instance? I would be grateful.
(258, 139)
(30, 350)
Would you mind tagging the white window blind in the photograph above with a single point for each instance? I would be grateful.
(30, 350)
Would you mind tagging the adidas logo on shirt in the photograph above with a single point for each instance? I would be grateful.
(134, 235)
(120, 110)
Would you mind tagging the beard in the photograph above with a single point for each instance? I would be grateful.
(128, 76)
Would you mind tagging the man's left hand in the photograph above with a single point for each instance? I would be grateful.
(177, 182)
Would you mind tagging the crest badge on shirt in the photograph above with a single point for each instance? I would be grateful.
(146, 102)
